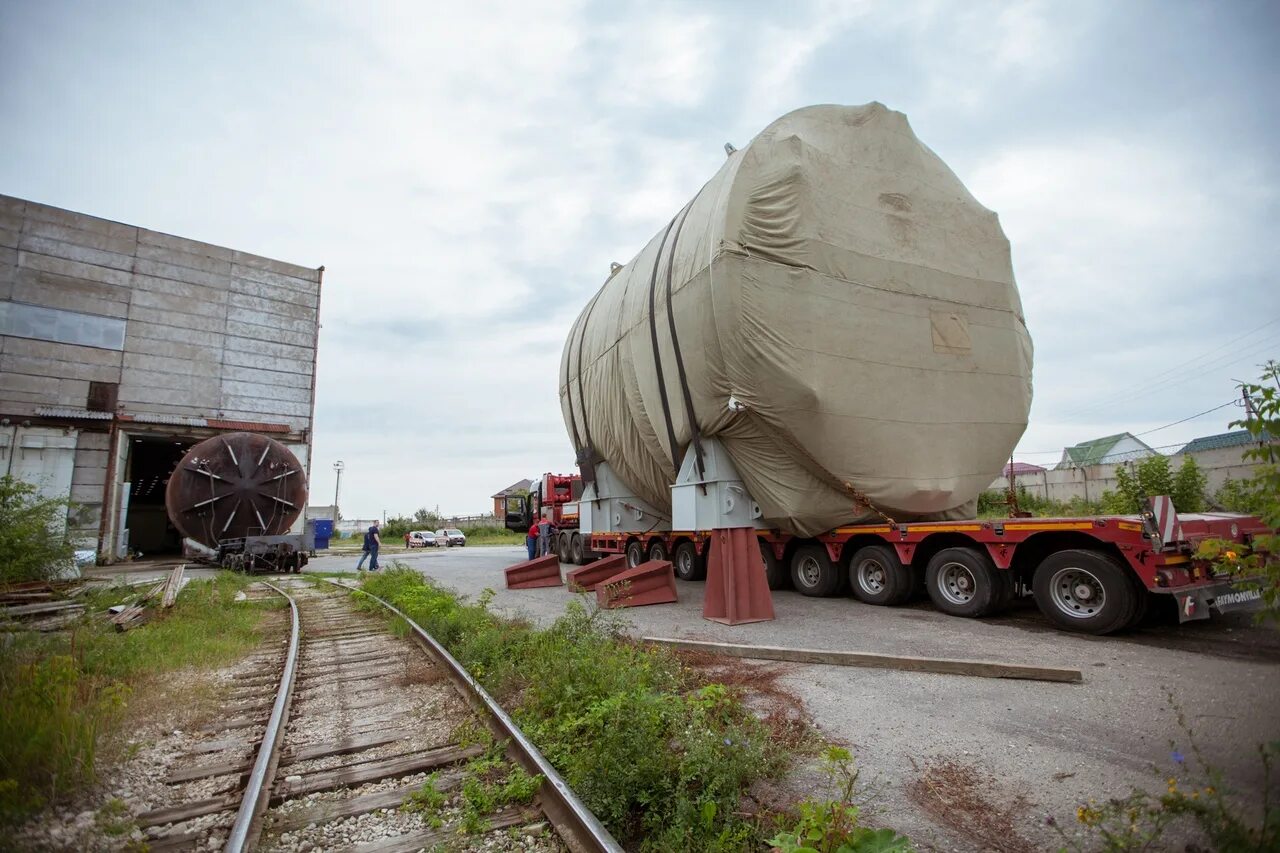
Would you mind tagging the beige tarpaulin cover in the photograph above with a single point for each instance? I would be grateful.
(837, 280)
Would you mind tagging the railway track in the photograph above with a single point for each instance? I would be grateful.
(329, 737)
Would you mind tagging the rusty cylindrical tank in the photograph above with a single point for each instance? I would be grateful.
(234, 485)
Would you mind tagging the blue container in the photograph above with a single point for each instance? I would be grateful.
(324, 532)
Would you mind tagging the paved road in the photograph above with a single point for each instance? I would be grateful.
(1054, 744)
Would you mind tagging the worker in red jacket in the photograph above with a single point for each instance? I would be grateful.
(531, 539)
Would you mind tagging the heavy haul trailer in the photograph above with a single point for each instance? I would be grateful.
(1093, 575)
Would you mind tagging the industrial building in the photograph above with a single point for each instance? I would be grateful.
(121, 347)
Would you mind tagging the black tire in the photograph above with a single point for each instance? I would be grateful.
(813, 573)
(575, 550)
(1006, 591)
(687, 565)
(634, 553)
(963, 582)
(658, 550)
(877, 576)
(1087, 592)
(774, 574)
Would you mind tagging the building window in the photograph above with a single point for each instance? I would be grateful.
(62, 327)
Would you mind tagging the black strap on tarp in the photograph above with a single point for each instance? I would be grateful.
(694, 431)
(653, 337)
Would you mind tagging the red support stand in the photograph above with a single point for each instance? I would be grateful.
(648, 583)
(737, 590)
(544, 571)
(590, 576)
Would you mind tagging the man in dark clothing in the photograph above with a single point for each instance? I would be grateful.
(372, 542)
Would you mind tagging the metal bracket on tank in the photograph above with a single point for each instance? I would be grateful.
(716, 499)
(608, 505)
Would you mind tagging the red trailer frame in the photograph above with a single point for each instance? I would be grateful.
(1013, 547)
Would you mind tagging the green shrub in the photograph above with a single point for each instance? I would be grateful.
(62, 693)
(660, 759)
(32, 544)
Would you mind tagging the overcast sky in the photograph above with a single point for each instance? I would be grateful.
(467, 172)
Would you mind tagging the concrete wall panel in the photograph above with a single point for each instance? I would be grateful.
(273, 307)
(183, 289)
(72, 252)
(266, 377)
(268, 362)
(85, 297)
(182, 244)
(303, 326)
(173, 272)
(172, 350)
(60, 352)
(156, 331)
(279, 268)
(73, 269)
(207, 387)
(71, 287)
(237, 344)
(202, 263)
(120, 244)
(178, 304)
(271, 291)
(234, 390)
(48, 367)
(177, 366)
(46, 213)
(270, 333)
(265, 406)
(174, 320)
(202, 401)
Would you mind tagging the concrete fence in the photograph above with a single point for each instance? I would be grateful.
(1090, 482)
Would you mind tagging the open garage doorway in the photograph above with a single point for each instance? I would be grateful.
(150, 461)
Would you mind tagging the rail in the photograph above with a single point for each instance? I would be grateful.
(581, 830)
(257, 793)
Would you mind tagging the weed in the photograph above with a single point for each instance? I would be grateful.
(831, 826)
(660, 756)
(1196, 795)
(64, 692)
(427, 799)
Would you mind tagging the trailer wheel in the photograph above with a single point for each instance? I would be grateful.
(688, 565)
(878, 576)
(635, 553)
(575, 550)
(963, 582)
(562, 551)
(812, 571)
(773, 572)
(658, 550)
(1085, 591)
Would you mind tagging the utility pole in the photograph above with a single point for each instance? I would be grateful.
(337, 467)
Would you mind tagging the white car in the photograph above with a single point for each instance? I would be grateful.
(422, 539)
(451, 536)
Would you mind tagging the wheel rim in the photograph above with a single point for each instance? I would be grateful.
(809, 571)
(684, 561)
(658, 553)
(634, 555)
(872, 577)
(956, 583)
(1077, 592)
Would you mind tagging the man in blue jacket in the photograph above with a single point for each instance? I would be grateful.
(372, 542)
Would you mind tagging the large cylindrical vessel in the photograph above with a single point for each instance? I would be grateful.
(234, 485)
(834, 307)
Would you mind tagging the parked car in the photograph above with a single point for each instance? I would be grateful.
(451, 536)
(422, 539)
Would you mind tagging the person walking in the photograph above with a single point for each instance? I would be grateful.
(545, 531)
(372, 542)
(531, 539)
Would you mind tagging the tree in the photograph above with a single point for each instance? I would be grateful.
(33, 546)
(1188, 486)
(1150, 477)
(1262, 490)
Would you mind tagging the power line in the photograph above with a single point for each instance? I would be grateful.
(1192, 418)
(1203, 366)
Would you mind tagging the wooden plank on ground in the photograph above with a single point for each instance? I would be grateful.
(944, 666)
(172, 585)
(432, 838)
(186, 811)
(239, 764)
(40, 608)
(402, 765)
(331, 810)
(342, 747)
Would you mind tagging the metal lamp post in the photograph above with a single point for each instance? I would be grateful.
(337, 467)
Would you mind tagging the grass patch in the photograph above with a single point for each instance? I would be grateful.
(662, 758)
(64, 692)
(492, 536)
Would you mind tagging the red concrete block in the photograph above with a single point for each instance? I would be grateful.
(590, 576)
(544, 571)
(737, 590)
(648, 583)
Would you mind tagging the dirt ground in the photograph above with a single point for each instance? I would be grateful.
(968, 763)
